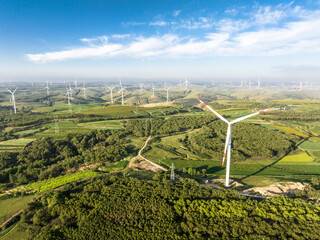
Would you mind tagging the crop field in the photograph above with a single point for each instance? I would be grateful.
(45, 185)
(14, 145)
(310, 145)
(64, 127)
(119, 165)
(62, 107)
(26, 132)
(292, 131)
(12, 205)
(298, 158)
(16, 233)
(102, 125)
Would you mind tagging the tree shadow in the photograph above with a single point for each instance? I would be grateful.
(275, 162)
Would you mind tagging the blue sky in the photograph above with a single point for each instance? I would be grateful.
(214, 39)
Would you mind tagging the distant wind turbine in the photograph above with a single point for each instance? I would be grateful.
(13, 99)
(47, 87)
(167, 93)
(84, 90)
(121, 90)
(153, 90)
(141, 84)
(69, 96)
(111, 88)
(186, 82)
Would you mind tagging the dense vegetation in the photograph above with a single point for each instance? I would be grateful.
(46, 158)
(167, 126)
(248, 140)
(294, 116)
(127, 208)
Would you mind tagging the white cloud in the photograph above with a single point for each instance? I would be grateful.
(120, 36)
(158, 23)
(232, 12)
(231, 38)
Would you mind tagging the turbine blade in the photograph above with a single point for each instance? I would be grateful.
(253, 114)
(217, 114)
(9, 90)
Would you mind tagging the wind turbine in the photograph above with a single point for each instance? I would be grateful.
(68, 95)
(141, 84)
(259, 83)
(111, 88)
(47, 87)
(84, 90)
(153, 90)
(186, 82)
(13, 99)
(167, 93)
(227, 148)
(75, 83)
(121, 90)
(300, 86)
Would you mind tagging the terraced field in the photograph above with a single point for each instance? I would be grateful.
(64, 127)
(102, 125)
(14, 145)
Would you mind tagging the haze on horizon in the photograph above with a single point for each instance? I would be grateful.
(148, 39)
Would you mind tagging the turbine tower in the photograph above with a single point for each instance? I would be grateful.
(227, 148)
(121, 90)
(300, 86)
(68, 95)
(111, 88)
(47, 87)
(153, 90)
(75, 83)
(84, 91)
(167, 94)
(141, 84)
(13, 99)
(259, 83)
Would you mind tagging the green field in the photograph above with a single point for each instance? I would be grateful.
(10, 206)
(14, 145)
(118, 165)
(16, 234)
(310, 145)
(102, 125)
(45, 185)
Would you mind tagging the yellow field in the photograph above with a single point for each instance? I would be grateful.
(302, 157)
(292, 131)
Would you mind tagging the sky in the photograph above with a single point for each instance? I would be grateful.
(209, 39)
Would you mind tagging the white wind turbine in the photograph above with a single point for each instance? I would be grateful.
(259, 83)
(186, 82)
(227, 148)
(84, 90)
(69, 96)
(168, 93)
(47, 87)
(153, 90)
(111, 88)
(141, 84)
(121, 90)
(13, 98)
